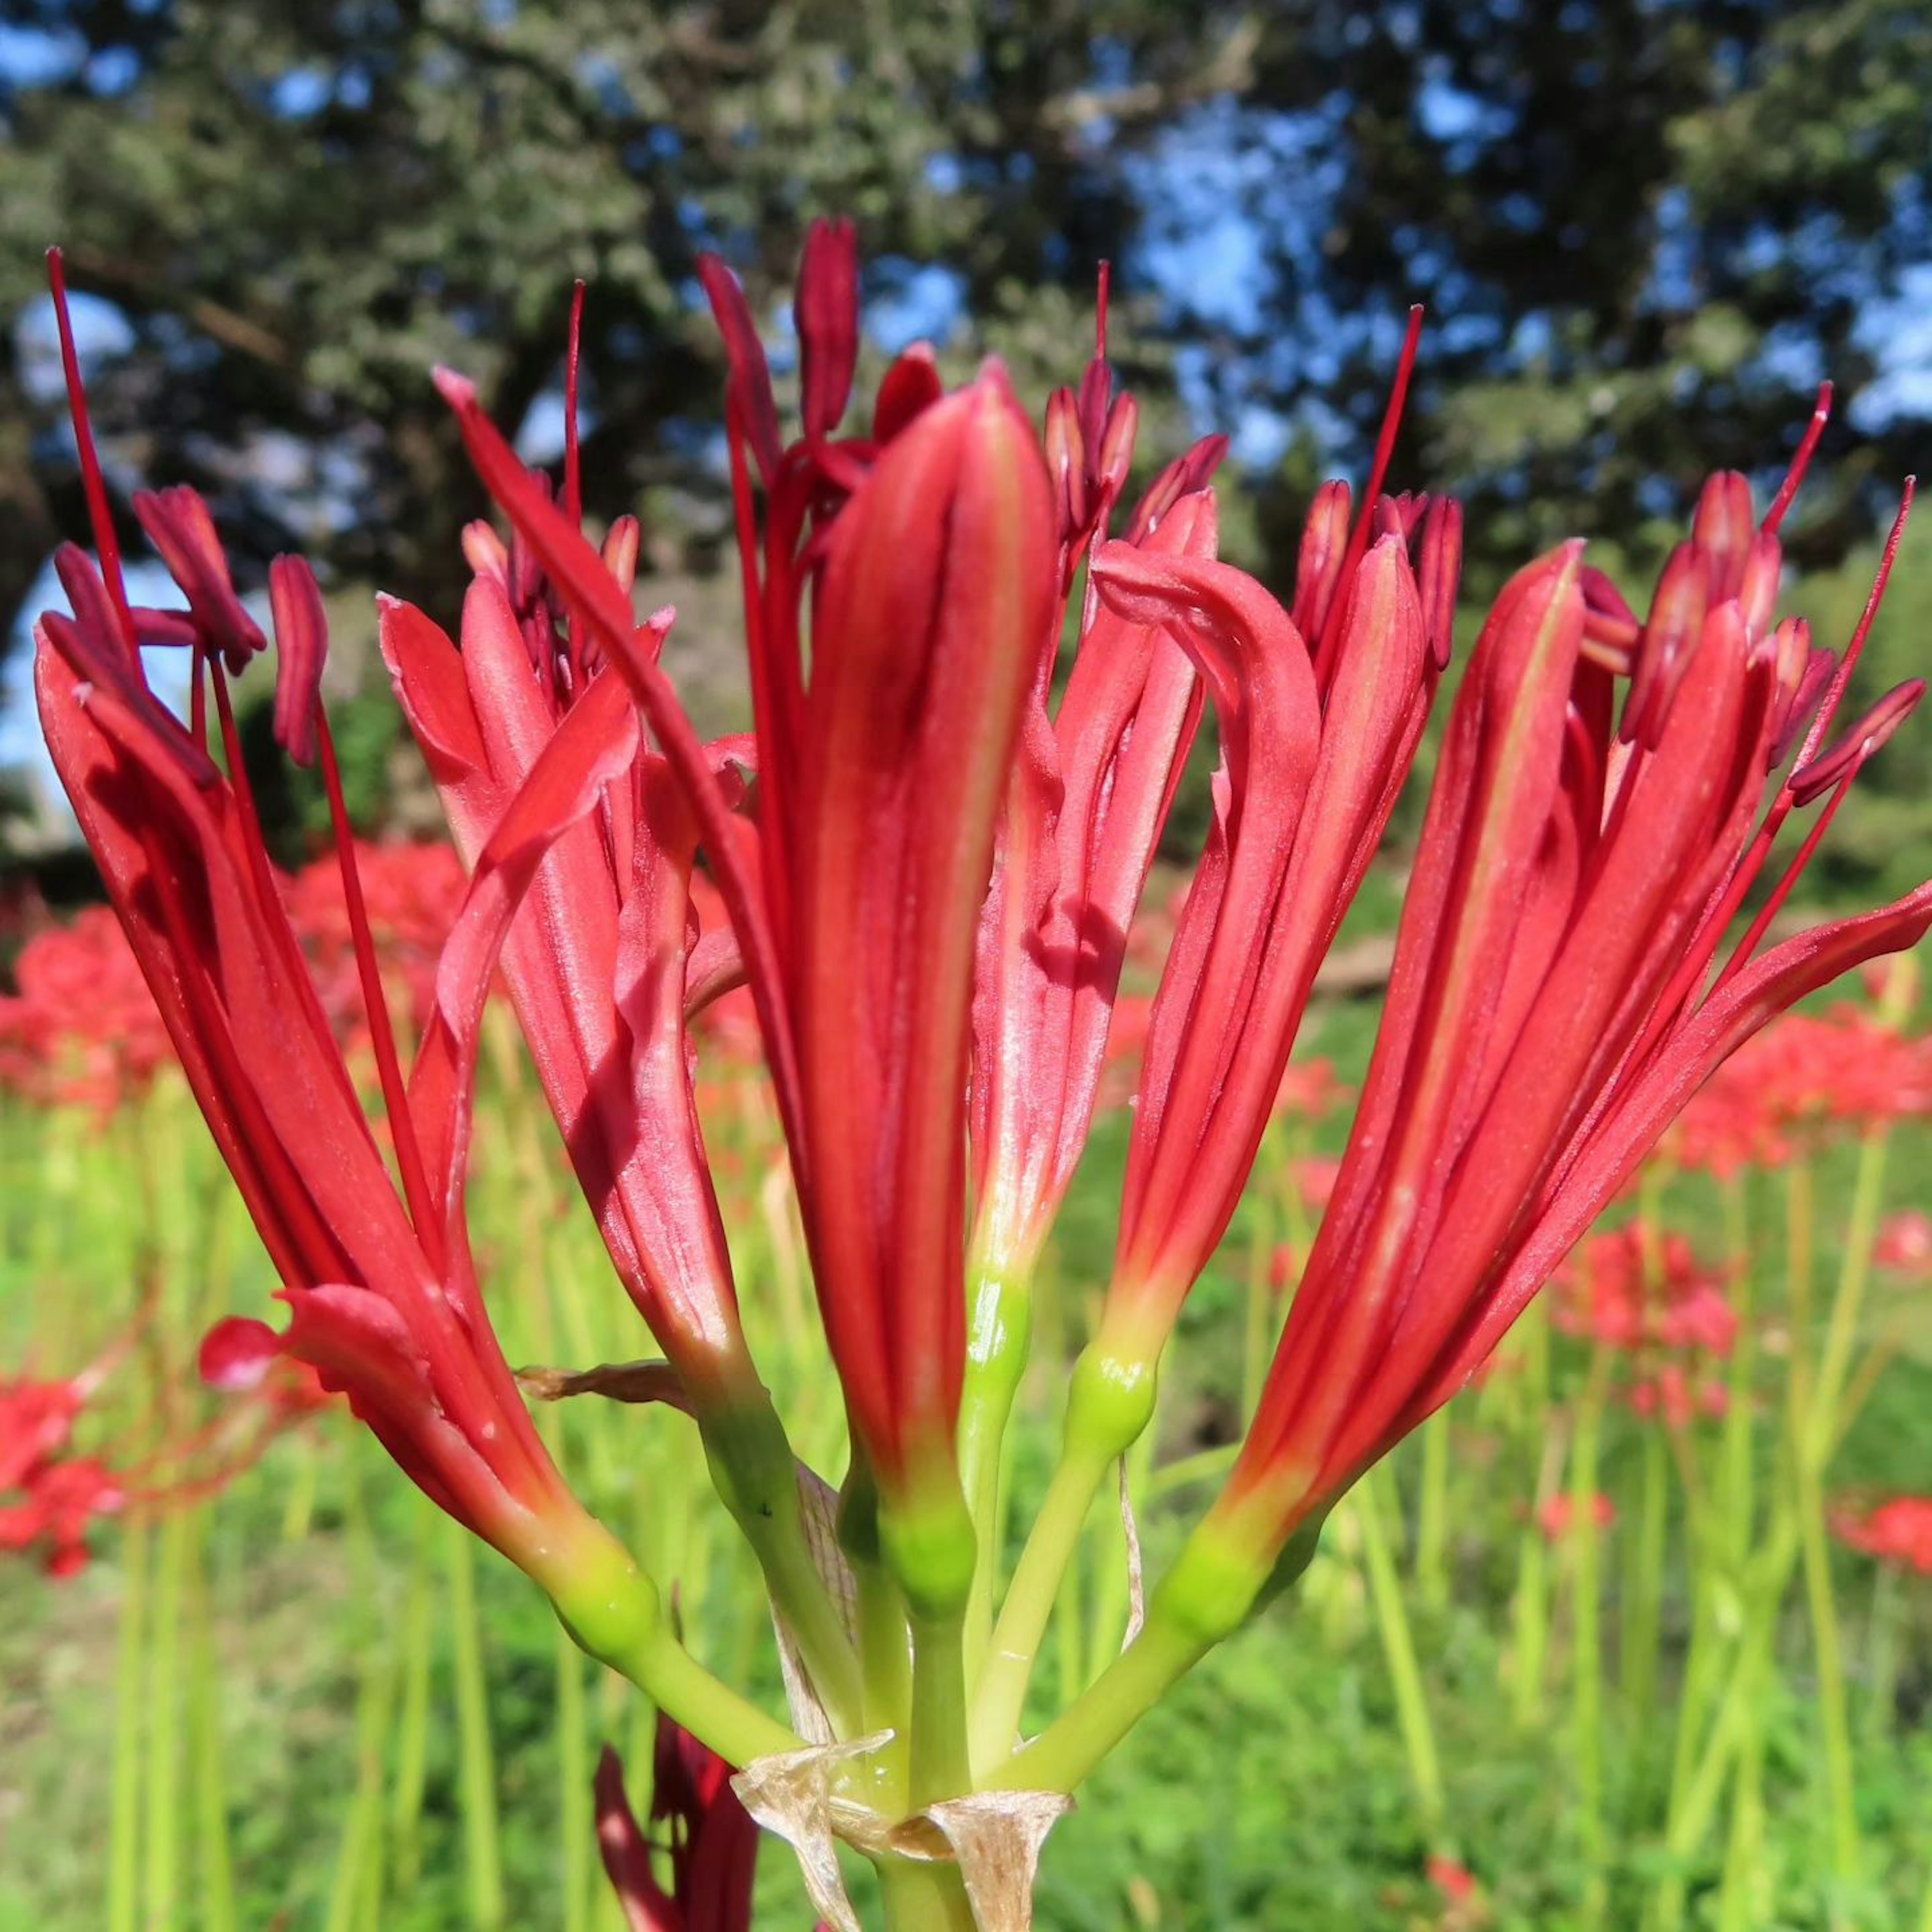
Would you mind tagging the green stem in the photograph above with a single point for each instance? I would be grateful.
(1586, 1623)
(1833, 1721)
(475, 1756)
(1643, 1618)
(1412, 1702)
(1205, 1597)
(412, 1726)
(164, 1679)
(996, 1356)
(1530, 1610)
(575, 1820)
(1000, 1695)
(920, 1896)
(1431, 1513)
(214, 1865)
(123, 1817)
(755, 1473)
(939, 1767)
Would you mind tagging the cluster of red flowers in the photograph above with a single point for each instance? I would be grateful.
(1800, 1081)
(82, 1029)
(51, 1493)
(1558, 1516)
(1641, 1292)
(55, 1495)
(411, 891)
(1898, 1531)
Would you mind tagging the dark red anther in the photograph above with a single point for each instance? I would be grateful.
(1611, 630)
(1831, 768)
(183, 533)
(1066, 464)
(1813, 682)
(1439, 571)
(827, 311)
(573, 472)
(749, 389)
(1117, 447)
(301, 648)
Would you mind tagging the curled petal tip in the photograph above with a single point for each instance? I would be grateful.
(458, 392)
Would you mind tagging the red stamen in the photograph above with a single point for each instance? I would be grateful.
(573, 489)
(106, 545)
(1358, 539)
(1782, 891)
(1820, 414)
(1106, 282)
(1834, 694)
(423, 1211)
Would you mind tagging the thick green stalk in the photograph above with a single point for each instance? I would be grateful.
(1205, 1597)
(1643, 1614)
(924, 1898)
(576, 1821)
(939, 1767)
(1529, 1611)
(1411, 1701)
(999, 1697)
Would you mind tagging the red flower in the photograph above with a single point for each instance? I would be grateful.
(1551, 1008)
(1905, 1244)
(383, 1298)
(712, 1842)
(1558, 1513)
(1897, 1531)
(83, 1030)
(928, 548)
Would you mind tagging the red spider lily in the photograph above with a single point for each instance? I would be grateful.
(1640, 1288)
(60, 1500)
(1558, 1516)
(1898, 1531)
(710, 1841)
(1799, 1084)
(1552, 1006)
(1904, 1244)
(411, 894)
(1320, 712)
(83, 1030)
(382, 1296)
(929, 549)
(1089, 794)
(60, 1492)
